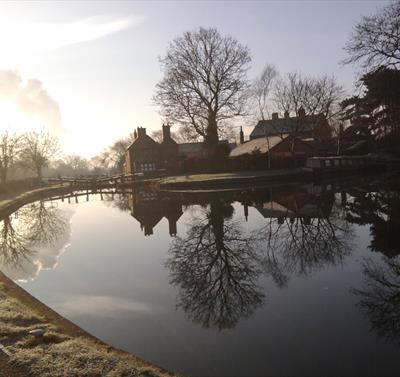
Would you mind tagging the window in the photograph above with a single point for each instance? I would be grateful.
(148, 166)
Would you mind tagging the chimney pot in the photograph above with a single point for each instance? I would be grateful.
(286, 114)
(241, 136)
(302, 112)
(166, 130)
(141, 131)
(275, 116)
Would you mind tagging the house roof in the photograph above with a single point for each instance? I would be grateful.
(192, 148)
(186, 148)
(260, 145)
(278, 126)
(143, 140)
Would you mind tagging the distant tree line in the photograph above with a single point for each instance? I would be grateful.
(37, 154)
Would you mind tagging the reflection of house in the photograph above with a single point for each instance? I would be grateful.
(303, 206)
(301, 126)
(280, 150)
(149, 209)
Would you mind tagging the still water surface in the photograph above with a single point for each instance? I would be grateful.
(295, 280)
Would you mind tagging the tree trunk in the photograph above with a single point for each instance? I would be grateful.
(3, 175)
(39, 173)
(211, 138)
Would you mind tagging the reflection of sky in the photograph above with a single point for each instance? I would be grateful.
(44, 257)
(104, 306)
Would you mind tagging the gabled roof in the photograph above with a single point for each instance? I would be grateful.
(143, 140)
(260, 145)
(289, 125)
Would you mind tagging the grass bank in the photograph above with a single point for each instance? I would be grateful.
(9, 206)
(238, 179)
(65, 350)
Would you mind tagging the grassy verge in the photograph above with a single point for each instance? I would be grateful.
(228, 179)
(11, 205)
(65, 349)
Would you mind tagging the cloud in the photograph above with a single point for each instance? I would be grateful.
(31, 99)
(103, 306)
(18, 35)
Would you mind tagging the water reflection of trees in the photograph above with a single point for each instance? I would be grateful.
(216, 267)
(217, 264)
(35, 225)
(379, 298)
(301, 245)
(380, 210)
(14, 248)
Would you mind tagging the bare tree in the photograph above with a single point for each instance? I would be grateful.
(375, 40)
(9, 149)
(113, 156)
(261, 91)
(316, 95)
(37, 151)
(307, 95)
(72, 165)
(205, 82)
(76, 162)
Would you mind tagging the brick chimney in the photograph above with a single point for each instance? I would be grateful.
(241, 136)
(141, 132)
(275, 116)
(135, 134)
(166, 132)
(286, 114)
(302, 112)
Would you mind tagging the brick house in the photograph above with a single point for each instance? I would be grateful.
(145, 155)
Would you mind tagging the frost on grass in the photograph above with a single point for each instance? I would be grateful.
(78, 357)
(16, 318)
(56, 354)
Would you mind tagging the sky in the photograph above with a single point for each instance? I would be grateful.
(87, 70)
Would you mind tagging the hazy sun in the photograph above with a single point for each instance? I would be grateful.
(13, 119)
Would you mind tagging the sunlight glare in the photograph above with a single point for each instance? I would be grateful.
(12, 119)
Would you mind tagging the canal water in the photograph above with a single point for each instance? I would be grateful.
(283, 280)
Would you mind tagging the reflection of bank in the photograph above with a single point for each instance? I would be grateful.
(149, 208)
